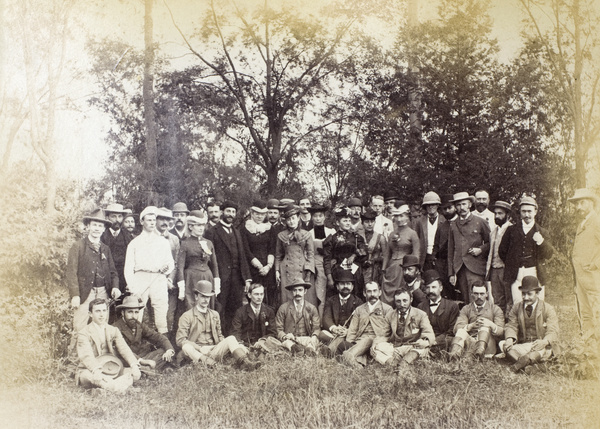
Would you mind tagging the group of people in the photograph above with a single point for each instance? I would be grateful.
(460, 280)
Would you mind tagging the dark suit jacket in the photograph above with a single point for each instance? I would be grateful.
(248, 328)
(444, 318)
(220, 240)
(546, 323)
(286, 319)
(472, 232)
(331, 313)
(145, 339)
(421, 230)
(511, 250)
(118, 249)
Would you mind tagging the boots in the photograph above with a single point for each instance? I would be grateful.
(528, 359)
(482, 339)
(242, 361)
(512, 356)
(456, 352)
(411, 356)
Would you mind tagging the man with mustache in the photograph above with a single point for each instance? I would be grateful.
(369, 321)
(411, 334)
(274, 208)
(411, 279)
(426, 228)
(337, 313)
(305, 214)
(298, 323)
(495, 266)
(482, 201)
(153, 350)
(180, 213)
(129, 222)
(442, 312)
(532, 329)
(440, 244)
(213, 211)
(117, 239)
(586, 263)
(478, 326)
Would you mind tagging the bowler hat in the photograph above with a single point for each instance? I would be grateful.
(431, 198)
(369, 214)
(110, 364)
(274, 204)
(115, 208)
(430, 276)
(530, 283)
(343, 276)
(354, 202)
(318, 208)
(410, 261)
(131, 302)
(528, 201)
(290, 211)
(447, 200)
(148, 210)
(96, 215)
(502, 205)
(180, 208)
(584, 193)
(259, 207)
(390, 196)
(227, 204)
(460, 196)
(196, 217)
(204, 287)
(164, 213)
(301, 283)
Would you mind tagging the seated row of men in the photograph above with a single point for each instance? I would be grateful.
(351, 331)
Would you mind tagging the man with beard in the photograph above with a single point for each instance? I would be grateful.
(298, 323)
(478, 326)
(338, 310)
(440, 244)
(468, 246)
(442, 312)
(376, 245)
(482, 200)
(153, 350)
(411, 279)
(129, 222)
(389, 200)
(148, 263)
(117, 239)
(274, 208)
(411, 334)
(532, 328)
(495, 266)
(586, 263)
(355, 207)
(305, 216)
(213, 211)
(232, 262)
(368, 322)
(426, 228)
(180, 213)
(524, 249)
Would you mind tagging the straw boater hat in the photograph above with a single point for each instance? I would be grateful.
(115, 208)
(197, 217)
(584, 194)
(431, 198)
(502, 205)
(304, 284)
(460, 196)
(131, 302)
(286, 202)
(528, 201)
(180, 208)
(96, 215)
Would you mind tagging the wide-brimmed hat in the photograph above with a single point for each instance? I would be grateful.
(304, 284)
(204, 287)
(274, 204)
(228, 204)
(164, 213)
(131, 302)
(110, 364)
(318, 208)
(148, 210)
(341, 212)
(430, 276)
(180, 208)
(115, 208)
(259, 207)
(530, 283)
(369, 214)
(502, 205)
(96, 215)
(290, 210)
(584, 194)
(343, 276)
(197, 217)
(528, 201)
(410, 261)
(390, 195)
(397, 211)
(447, 200)
(431, 198)
(354, 202)
(460, 196)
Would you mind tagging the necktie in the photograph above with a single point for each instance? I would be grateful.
(479, 309)
(402, 318)
(96, 246)
(529, 310)
(431, 221)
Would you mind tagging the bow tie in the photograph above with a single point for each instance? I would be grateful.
(434, 304)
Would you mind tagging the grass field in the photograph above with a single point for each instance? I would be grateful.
(319, 393)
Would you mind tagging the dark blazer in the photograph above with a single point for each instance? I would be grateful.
(546, 323)
(285, 320)
(248, 328)
(444, 318)
(331, 312)
(421, 230)
(87, 268)
(464, 234)
(145, 339)
(220, 240)
(118, 249)
(511, 250)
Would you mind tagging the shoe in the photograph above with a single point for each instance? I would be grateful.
(310, 352)
(522, 362)
(297, 350)
(325, 351)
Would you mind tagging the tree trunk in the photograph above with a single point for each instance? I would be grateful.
(149, 113)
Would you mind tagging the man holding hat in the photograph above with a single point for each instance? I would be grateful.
(117, 239)
(152, 349)
(199, 334)
(468, 246)
(91, 271)
(532, 329)
(376, 245)
(180, 213)
(336, 316)
(495, 266)
(524, 249)
(148, 263)
(319, 233)
(298, 323)
(426, 228)
(586, 263)
(442, 312)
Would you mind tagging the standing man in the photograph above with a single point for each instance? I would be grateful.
(232, 262)
(440, 245)
(117, 239)
(586, 263)
(468, 246)
(305, 216)
(389, 199)
(355, 207)
(180, 213)
(426, 229)
(482, 201)
(213, 211)
(91, 272)
(524, 249)
(148, 263)
(495, 266)
(274, 215)
(383, 225)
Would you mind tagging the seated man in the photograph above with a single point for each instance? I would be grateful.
(442, 312)
(532, 328)
(95, 343)
(199, 334)
(411, 279)
(478, 326)
(151, 348)
(298, 323)
(337, 313)
(253, 325)
(411, 334)
(369, 321)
